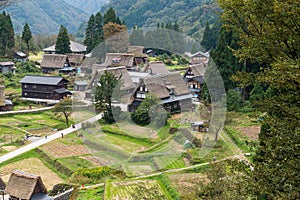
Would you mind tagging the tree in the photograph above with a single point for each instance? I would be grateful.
(62, 45)
(206, 40)
(142, 115)
(7, 40)
(116, 37)
(64, 108)
(26, 35)
(110, 16)
(269, 34)
(90, 34)
(108, 82)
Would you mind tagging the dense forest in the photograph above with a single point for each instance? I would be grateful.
(192, 15)
(88, 6)
(46, 16)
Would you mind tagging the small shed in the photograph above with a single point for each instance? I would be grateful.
(20, 56)
(23, 185)
(7, 68)
(80, 85)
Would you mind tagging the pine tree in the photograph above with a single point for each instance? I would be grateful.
(7, 40)
(62, 45)
(110, 16)
(26, 36)
(206, 40)
(98, 29)
(89, 34)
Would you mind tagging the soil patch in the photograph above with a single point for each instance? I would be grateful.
(251, 132)
(60, 150)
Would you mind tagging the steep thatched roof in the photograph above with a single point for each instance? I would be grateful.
(74, 46)
(199, 53)
(55, 61)
(127, 82)
(138, 51)
(118, 59)
(197, 70)
(161, 85)
(156, 68)
(23, 185)
(75, 59)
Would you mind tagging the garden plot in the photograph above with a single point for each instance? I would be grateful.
(169, 162)
(60, 150)
(187, 184)
(138, 169)
(132, 190)
(34, 166)
(138, 131)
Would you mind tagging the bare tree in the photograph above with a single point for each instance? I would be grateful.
(5, 3)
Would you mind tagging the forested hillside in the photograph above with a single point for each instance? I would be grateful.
(46, 16)
(190, 14)
(88, 6)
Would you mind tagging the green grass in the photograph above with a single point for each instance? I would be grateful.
(237, 138)
(169, 162)
(91, 194)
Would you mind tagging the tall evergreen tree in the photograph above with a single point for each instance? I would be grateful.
(7, 40)
(110, 16)
(90, 34)
(62, 45)
(227, 63)
(98, 28)
(26, 35)
(206, 40)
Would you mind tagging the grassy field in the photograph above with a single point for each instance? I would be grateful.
(36, 57)
(91, 194)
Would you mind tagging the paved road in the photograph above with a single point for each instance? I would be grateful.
(50, 138)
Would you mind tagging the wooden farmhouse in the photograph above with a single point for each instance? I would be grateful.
(5, 104)
(127, 86)
(75, 60)
(57, 62)
(44, 87)
(25, 186)
(119, 59)
(170, 89)
(2, 186)
(156, 68)
(7, 68)
(198, 57)
(140, 56)
(194, 78)
(75, 47)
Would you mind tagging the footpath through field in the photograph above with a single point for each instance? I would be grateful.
(43, 141)
(26, 111)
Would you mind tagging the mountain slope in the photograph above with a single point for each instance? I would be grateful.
(88, 6)
(190, 14)
(46, 16)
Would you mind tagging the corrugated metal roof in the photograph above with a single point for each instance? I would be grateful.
(42, 80)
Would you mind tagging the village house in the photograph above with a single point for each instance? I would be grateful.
(170, 89)
(156, 68)
(75, 47)
(194, 78)
(44, 87)
(119, 59)
(127, 86)
(80, 85)
(7, 68)
(20, 57)
(26, 186)
(198, 57)
(5, 104)
(75, 60)
(140, 56)
(56, 62)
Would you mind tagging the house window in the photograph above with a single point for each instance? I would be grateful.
(25, 86)
(143, 96)
(116, 60)
(34, 86)
(141, 89)
(25, 94)
(146, 89)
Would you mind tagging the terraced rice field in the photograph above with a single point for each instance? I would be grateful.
(132, 190)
